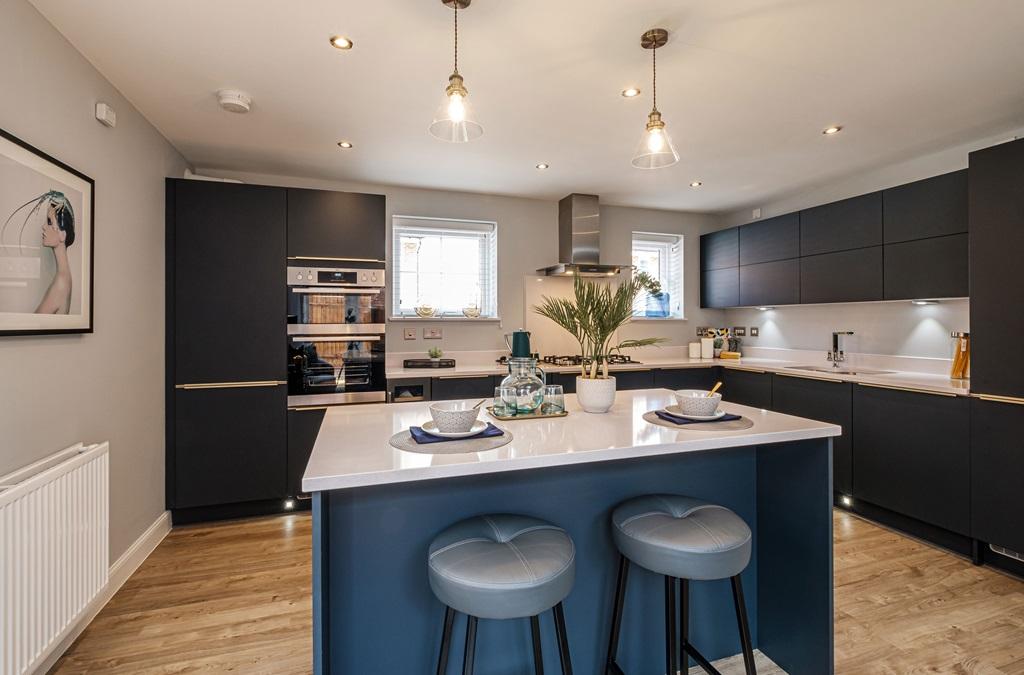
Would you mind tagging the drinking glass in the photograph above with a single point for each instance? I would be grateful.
(505, 404)
(554, 399)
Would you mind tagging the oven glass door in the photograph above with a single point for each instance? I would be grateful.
(325, 310)
(328, 369)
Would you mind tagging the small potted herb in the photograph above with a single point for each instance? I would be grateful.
(435, 354)
(719, 345)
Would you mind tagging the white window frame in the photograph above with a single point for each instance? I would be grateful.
(485, 229)
(673, 249)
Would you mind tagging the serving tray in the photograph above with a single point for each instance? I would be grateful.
(428, 363)
(531, 416)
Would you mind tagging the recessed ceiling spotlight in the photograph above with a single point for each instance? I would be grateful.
(341, 42)
(696, 184)
(345, 145)
(632, 92)
(542, 166)
(832, 130)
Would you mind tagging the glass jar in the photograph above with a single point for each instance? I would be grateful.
(528, 381)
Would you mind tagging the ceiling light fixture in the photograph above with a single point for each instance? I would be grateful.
(632, 92)
(696, 184)
(655, 150)
(454, 120)
(341, 42)
(543, 166)
(832, 130)
(345, 145)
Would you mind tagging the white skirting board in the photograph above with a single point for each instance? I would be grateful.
(120, 572)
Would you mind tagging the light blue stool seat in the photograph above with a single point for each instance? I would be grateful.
(682, 537)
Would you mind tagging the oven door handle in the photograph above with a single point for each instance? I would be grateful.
(316, 290)
(334, 338)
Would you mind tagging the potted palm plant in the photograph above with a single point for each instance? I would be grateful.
(593, 316)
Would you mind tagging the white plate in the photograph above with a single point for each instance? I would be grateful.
(678, 412)
(432, 429)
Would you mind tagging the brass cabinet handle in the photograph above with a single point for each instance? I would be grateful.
(462, 377)
(320, 257)
(230, 385)
(746, 370)
(630, 370)
(995, 398)
(812, 377)
(913, 390)
(310, 408)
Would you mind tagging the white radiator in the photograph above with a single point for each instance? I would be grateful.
(53, 551)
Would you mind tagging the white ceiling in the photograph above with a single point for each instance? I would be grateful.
(746, 86)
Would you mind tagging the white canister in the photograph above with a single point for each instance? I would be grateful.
(694, 350)
(707, 348)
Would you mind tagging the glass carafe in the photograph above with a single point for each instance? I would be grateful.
(528, 380)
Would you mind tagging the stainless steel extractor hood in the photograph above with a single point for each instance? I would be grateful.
(579, 239)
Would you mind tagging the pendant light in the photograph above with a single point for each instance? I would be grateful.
(454, 120)
(655, 149)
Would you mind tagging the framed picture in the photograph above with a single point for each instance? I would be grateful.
(46, 243)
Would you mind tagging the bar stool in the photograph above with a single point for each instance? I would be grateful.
(684, 539)
(502, 567)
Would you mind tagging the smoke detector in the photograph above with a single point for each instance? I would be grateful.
(234, 100)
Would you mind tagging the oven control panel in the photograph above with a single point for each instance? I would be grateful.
(335, 276)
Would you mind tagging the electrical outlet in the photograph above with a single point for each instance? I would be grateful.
(754, 331)
(739, 331)
(702, 331)
(409, 333)
(431, 333)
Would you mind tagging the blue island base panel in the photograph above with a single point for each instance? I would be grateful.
(374, 612)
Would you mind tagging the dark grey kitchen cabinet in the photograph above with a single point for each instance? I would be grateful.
(720, 288)
(847, 276)
(997, 473)
(827, 402)
(449, 388)
(626, 380)
(934, 207)
(911, 455)
(839, 226)
(927, 268)
(230, 446)
(747, 387)
(686, 378)
(996, 207)
(303, 428)
(336, 225)
(768, 240)
(721, 249)
(567, 380)
(226, 268)
(770, 283)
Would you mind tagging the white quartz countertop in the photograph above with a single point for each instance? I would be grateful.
(925, 382)
(352, 448)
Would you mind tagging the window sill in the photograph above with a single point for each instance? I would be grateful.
(659, 318)
(466, 319)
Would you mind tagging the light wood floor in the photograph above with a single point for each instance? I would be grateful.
(235, 597)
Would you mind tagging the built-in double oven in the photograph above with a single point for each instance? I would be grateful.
(335, 336)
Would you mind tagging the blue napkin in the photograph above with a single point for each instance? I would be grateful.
(676, 419)
(421, 436)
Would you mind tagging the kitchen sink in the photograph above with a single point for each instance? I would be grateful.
(841, 371)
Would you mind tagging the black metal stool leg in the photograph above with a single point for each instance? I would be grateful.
(563, 640)
(741, 617)
(684, 616)
(671, 643)
(538, 656)
(467, 662)
(446, 641)
(620, 599)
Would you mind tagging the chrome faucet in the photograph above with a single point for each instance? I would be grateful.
(837, 355)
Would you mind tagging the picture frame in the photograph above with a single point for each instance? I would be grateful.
(46, 243)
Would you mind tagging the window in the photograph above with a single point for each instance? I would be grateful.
(661, 256)
(448, 265)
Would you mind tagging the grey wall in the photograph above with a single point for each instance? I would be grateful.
(527, 240)
(107, 385)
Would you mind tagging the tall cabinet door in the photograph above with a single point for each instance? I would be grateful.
(996, 212)
(339, 225)
(997, 474)
(229, 266)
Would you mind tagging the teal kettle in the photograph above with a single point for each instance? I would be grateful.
(519, 344)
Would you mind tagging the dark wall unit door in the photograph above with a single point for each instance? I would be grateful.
(770, 283)
(719, 250)
(449, 388)
(911, 455)
(997, 474)
(776, 238)
(996, 204)
(934, 207)
(850, 223)
(927, 268)
(847, 276)
(303, 428)
(747, 387)
(720, 288)
(336, 225)
(827, 402)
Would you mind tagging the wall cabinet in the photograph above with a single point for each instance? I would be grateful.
(825, 401)
(847, 276)
(927, 268)
(911, 455)
(719, 250)
(686, 378)
(770, 283)
(996, 205)
(339, 225)
(747, 387)
(450, 388)
(303, 428)
(933, 207)
(997, 474)
(843, 225)
(768, 240)
(720, 288)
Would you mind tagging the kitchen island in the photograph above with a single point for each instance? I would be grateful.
(377, 508)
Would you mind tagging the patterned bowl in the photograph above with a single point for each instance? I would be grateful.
(454, 417)
(697, 402)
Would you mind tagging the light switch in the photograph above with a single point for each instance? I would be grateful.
(739, 331)
(431, 333)
(409, 333)
(754, 331)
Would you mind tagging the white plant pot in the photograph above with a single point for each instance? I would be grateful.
(595, 396)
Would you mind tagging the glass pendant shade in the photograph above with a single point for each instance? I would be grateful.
(655, 149)
(454, 120)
